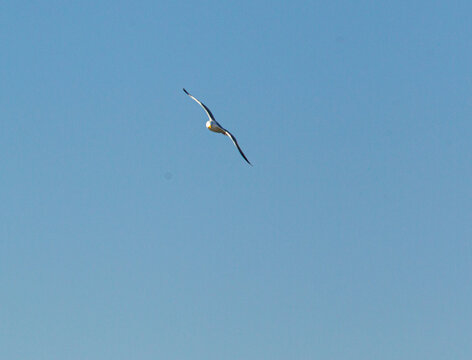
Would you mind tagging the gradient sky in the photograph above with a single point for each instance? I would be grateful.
(129, 231)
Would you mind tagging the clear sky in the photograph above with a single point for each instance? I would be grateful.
(129, 231)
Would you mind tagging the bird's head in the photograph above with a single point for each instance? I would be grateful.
(208, 124)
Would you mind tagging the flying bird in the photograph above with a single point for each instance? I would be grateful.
(214, 126)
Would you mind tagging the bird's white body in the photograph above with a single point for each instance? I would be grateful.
(213, 126)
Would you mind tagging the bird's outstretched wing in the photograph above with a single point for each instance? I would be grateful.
(233, 139)
(210, 115)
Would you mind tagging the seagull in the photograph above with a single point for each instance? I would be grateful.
(214, 126)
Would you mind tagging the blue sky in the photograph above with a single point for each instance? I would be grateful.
(130, 231)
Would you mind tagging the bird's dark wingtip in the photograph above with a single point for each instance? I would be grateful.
(185, 91)
(244, 156)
